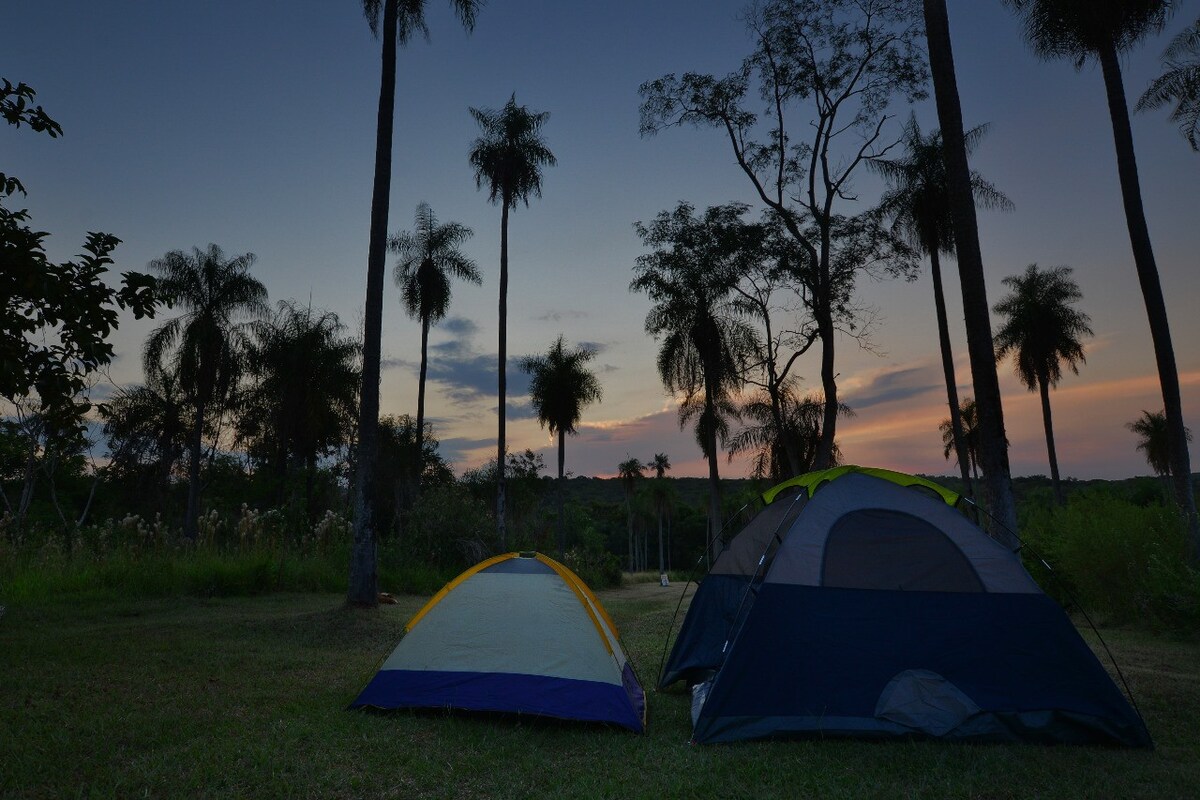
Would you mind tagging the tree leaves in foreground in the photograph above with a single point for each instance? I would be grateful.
(1180, 84)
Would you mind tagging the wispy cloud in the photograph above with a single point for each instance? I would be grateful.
(559, 316)
(890, 385)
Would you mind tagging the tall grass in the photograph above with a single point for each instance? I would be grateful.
(254, 552)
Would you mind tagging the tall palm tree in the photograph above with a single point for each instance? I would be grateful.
(993, 443)
(704, 344)
(508, 156)
(1102, 29)
(918, 202)
(660, 464)
(203, 345)
(1153, 440)
(401, 19)
(560, 388)
(968, 415)
(1042, 331)
(1180, 84)
(629, 472)
(426, 260)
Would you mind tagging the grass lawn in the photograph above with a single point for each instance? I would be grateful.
(246, 697)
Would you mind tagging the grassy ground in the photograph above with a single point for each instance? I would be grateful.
(245, 698)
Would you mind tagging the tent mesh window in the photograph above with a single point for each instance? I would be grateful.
(886, 549)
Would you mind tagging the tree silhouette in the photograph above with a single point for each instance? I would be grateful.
(1153, 441)
(801, 416)
(703, 345)
(918, 203)
(993, 444)
(204, 345)
(968, 415)
(1081, 30)
(838, 64)
(560, 388)
(630, 472)
(1042, 331)
(303, 391)
(426, 260)
(1180, 84)
(508, 157)
(660, 464)
(395, 22)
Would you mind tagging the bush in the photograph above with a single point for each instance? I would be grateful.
(1119, 559)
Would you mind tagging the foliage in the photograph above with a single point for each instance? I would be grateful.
(509, 154)
(1080, 29)
(689, 277)
(763, 437)
(969, 414)
(303, 388)
(1123, 561)
(839, 63)
(1151, 429)
(396, 460)
(561, 386)
(1041, 329)
(1180, 84)
(56, 317)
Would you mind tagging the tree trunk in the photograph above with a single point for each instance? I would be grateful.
(364, 556)
(421, 402)
(939, 302)
(993, 443)
(501, 374)
(191, 518)
(562, 460)
(1156, 308)
(629, 523)
(662, 560)
(1044, 390)
(714, 482)
(824, 459)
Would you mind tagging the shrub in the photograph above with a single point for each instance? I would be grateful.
(1117, 558)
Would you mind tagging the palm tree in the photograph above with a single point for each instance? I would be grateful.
(1180, 84)
(801, 417)
(993, 443)
(203, 345)
(560, 388)
(426, 260)
(629, 472)
(401, 19)
(508, 157)
(1042, 332)
(660, 464)
(1153, 441)
(918, 202)
(968, 415)
(1102, 29)
(704, 344)
(304, 390)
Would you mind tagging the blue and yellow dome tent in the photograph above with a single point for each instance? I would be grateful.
(880, 612)
(517, 633)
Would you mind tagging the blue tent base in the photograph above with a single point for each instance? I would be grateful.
(814, 661)
(538, 695)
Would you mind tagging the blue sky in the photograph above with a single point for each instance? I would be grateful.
(251, 125)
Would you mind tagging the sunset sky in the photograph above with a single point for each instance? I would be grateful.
(252, 125)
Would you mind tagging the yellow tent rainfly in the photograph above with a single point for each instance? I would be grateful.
(516, 633)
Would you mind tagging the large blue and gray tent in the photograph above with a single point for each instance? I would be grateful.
(517, 633)
(880, 610)
(699, 647)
